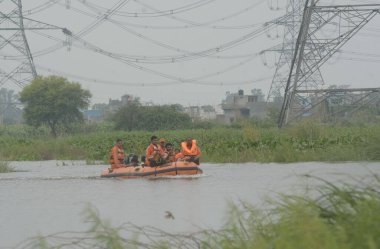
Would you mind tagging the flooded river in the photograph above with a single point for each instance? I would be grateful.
(51, 196)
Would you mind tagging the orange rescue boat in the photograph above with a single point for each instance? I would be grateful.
(170, 169)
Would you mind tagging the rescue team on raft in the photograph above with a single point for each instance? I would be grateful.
(156, 154)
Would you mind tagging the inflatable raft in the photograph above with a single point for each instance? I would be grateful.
(172, 169)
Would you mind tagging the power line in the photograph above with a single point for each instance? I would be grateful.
(39, 8)
(187, 55)
(152, 84)
(171, 59)
(158, 13)
(102, 18)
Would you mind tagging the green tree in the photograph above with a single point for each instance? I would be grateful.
(54, 101)
(10, 113)
(128, 117)
(137, 117)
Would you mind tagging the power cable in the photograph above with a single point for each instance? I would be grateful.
(144, 26)
(40, 8)
(188, 56)
(142, 59)
(158, 13)
(192, 23)
(170, 59)
(102, 18)
(155, 72)
(150, 84)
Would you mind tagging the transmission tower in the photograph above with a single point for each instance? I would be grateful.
(292, 23)
(322, 31)
(335, 103)
(20, 68)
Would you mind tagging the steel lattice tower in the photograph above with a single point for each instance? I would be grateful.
(292, 23)
(322, 31)
(17, 64)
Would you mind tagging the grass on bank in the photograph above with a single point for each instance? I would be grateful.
(307, 141)
(5, 168)
(339, 217)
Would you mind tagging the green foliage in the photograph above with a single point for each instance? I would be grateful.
(40, 242)
(9, 111)
(39, 149)
(206, 124)
(339, 217)
(105, 235)
(306, 130)
(248, 143)
(5, 168)
(150, 118)
(54, 102)
(371, 146)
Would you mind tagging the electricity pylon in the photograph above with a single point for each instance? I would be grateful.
(292, 23)
(19, 59)
(323, 30)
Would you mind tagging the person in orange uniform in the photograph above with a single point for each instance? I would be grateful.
(153, 153)
(190, 150)
(162, 147)
(162, 144)
(177, 154)
(170, 153)
(117, 155)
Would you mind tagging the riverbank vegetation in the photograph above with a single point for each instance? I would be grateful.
(5, 168)
(243, 142)
(343, 216)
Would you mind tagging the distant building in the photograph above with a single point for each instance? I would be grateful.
(205, 112)
(115, 104)
(102, 111)
(93, 115)
(238, 105)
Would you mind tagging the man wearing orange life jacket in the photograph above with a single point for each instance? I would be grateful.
(117, 155)
(162, 144)
(154, 153)
(190, 150)
(177, 154)
(170, 154)
(162, 147)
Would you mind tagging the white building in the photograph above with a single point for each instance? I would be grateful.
(205, 112)
(238, 105)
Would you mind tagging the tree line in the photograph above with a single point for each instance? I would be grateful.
(134, 116)
(10, 111)
(55, 102)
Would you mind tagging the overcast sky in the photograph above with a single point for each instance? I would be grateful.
(177, 51)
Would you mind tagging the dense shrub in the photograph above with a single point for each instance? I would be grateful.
(220, 144)
(150, 118)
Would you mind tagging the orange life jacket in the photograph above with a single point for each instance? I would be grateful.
(119, 155)
(151, 155)
(193, 151)
(178, 156)
(157, 156)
